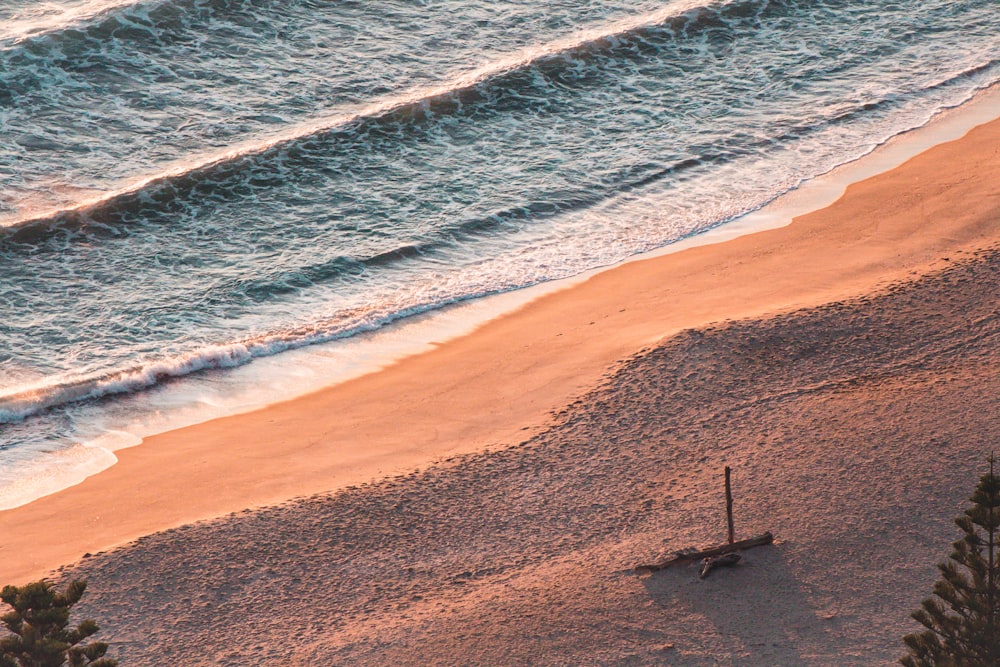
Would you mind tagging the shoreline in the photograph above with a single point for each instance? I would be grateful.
(373, 351)
(514, 371)
(200, 398)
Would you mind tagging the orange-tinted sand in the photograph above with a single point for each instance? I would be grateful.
(498, 385)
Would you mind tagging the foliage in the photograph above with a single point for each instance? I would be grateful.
(962, 618)
(38, 633)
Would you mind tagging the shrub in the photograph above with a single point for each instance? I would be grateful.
(961, 618)
(38, 633)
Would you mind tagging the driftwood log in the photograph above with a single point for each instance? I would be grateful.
(689, 555)
(710, 564)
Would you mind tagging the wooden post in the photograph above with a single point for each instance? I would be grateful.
(712, 553)
(729, 506)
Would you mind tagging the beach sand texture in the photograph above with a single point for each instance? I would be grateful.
(844, 366)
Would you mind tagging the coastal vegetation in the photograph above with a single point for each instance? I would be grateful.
(38, 633)
(962, 616)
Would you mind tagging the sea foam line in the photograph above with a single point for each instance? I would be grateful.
(422, 95)
(24, 401)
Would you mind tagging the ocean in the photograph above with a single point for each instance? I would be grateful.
(191, 188)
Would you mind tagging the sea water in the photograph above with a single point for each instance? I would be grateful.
(202, 193)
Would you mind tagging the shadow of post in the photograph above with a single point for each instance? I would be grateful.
(759, 610)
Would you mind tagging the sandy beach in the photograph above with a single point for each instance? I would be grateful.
(484, 503)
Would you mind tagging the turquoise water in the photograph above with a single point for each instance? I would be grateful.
(190, 185)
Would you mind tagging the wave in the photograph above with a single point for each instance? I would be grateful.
(631, 38)
(295, 278)
(414, 105)
(557, 203)
(36, 23)
(102, 18)
(25, 401)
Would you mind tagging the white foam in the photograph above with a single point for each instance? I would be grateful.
(40, 476)
(22, 401)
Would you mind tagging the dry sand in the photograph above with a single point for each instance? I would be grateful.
(845, 366)
(856, 431)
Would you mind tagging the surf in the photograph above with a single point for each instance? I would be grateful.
(414, 102)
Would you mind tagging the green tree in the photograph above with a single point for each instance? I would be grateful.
(962, 617)
(38, 633)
